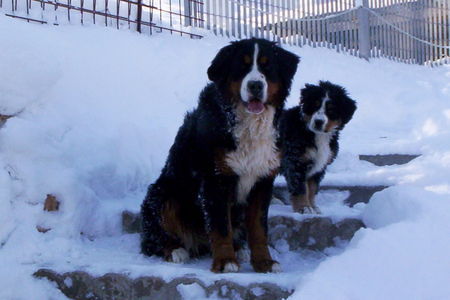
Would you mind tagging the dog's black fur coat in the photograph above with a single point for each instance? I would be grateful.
(191, 188)
(298, 140)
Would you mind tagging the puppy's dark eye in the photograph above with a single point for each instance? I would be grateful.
(247, 60)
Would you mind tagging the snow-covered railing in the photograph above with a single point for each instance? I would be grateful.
(145, 16)
(410, 31)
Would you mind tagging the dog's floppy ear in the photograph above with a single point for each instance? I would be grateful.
(288, 65)
(348, 109)
(220, 65)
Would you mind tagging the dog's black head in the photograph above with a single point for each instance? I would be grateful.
(326, 107)
(254, 72)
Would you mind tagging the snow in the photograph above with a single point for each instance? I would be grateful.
(97, 110)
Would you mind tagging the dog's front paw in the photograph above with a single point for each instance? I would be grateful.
(178, 256)
(266, 266)
(225, 265)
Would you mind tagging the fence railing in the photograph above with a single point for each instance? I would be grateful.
(409, 31)
(145, 16)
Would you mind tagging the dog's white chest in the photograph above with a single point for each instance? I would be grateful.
(256, 155)
(320, 156)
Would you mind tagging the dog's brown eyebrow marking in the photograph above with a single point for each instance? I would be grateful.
(263, 60)
(247, 59)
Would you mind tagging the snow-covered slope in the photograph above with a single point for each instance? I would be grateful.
(97, 110)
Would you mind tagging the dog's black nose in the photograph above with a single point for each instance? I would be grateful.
(318, 124)
(255, 88)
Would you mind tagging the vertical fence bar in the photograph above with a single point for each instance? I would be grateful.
(139, 16)
(446, 27)
(364, 31)
(267, 20)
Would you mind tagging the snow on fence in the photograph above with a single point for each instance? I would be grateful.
(409, 31)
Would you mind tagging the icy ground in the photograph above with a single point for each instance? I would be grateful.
(97, 110)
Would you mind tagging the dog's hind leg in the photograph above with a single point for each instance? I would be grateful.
(155, 238)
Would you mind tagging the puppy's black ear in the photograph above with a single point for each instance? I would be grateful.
(348, 109)
(219, 67)
(310, 91)
(288, 65)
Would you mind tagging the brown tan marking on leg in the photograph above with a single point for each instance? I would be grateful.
(224, 257)
(312, 188)
(256, 221)
(180, 236)
(300, 203)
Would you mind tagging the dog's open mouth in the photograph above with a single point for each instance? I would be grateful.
(255, 106)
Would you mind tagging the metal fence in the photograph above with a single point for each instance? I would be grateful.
(409, 31)
(145, 16)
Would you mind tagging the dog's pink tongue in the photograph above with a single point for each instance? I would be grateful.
(255, 106)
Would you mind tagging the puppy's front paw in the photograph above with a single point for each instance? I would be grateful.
(225, 265)
(308, 210)
(266, 266)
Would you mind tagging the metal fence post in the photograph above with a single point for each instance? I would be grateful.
(139, 16)
(187, 13)
(364, 30)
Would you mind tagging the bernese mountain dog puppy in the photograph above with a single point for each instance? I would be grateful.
(214, 191)
(309, 140)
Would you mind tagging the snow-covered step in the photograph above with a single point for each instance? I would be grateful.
(357, 194)
(312, 233)
(289, 231)
(299, 242)
(388, 159)
(83, 286)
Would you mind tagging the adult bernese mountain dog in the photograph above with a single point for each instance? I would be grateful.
(214, 191)
(309, 140)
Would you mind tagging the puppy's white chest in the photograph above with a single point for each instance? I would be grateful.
(256, 155)
(320, 156)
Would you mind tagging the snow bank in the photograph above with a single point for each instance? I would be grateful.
(97, 110)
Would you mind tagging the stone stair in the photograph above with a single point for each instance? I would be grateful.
(310, 232)
(357, 194)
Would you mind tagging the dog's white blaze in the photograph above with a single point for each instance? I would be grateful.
(256, 155)
(254, 75)
(320, 114)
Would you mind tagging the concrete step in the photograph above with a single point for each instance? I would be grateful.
(388, 159)
(312, 233)
(81, 285)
